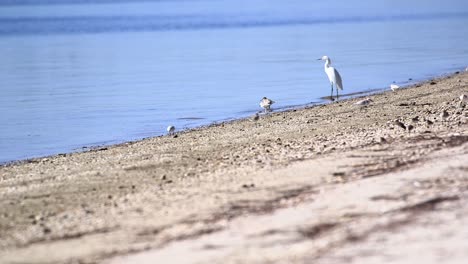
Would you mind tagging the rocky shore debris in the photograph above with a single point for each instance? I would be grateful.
(256, 117)
(399, 124)
(444, 115)
(364, 102)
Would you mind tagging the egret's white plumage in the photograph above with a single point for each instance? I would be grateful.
(170, 130)
(394, 87)
(333, 76)
(266, 103)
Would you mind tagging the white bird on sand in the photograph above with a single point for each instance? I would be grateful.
(464, 98)
(366, 101)
(333, 76)
(170, 130)
(394, 87)
(266, 103)
(466, 69)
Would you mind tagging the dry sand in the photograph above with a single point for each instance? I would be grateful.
(335, 183)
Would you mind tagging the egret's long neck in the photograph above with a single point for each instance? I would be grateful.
(327, 63)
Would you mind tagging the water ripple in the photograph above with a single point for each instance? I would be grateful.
(99, 24)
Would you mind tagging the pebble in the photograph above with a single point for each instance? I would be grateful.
(256, 117)
(400, 124)
(88, 211)
(338, 174)
(46, 230)
(247, 186)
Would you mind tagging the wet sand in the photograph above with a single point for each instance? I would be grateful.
(332, 183)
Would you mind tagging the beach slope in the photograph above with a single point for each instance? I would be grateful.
(334, 183)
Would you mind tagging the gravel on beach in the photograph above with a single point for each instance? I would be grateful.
(333, 183)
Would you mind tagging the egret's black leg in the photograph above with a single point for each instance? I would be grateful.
(331, 96)
(336, 94)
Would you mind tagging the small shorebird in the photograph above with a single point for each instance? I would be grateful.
(394, 87)
(364, 102)
(170, 130)
(266, 103)
(463, 98)
(333, 76)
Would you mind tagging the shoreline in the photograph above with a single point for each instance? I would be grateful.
(356, 95)
(316, 180)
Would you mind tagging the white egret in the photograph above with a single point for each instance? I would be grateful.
(266, 103)
(170, 130)
(394, 87)
(333, 76)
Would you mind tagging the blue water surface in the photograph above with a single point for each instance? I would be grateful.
(78, 73)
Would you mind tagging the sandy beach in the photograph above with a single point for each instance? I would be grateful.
(335, 183)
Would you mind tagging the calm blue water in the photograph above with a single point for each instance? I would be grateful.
(83, 73)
